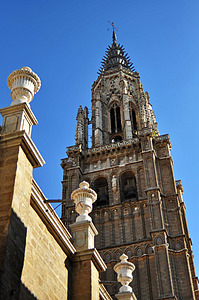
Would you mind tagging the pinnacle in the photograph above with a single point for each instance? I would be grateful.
(115, 56)
(114, 38)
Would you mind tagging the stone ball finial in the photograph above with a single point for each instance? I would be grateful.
(24, 83)
(83, 197)
(124, 271)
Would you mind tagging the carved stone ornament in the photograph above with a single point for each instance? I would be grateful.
(114, 184)
(83, 197)
(24, 83)
(124, 271)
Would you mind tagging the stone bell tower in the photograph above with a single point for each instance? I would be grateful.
(139, 209)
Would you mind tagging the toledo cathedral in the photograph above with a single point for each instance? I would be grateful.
(122, 209)
(139, 209)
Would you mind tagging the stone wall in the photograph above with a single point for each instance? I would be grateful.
(37, 256)
(45, 266)
(150, 228)
(8, 161)
(34, 243)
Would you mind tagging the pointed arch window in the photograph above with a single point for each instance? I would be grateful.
(115, 117)
(128, 186)
(101, 188)
(133, 117)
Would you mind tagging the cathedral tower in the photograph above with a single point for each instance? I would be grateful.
(139, 210)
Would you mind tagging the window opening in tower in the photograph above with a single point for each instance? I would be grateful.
(112, 120)
(128, 186)
(115, 119)
(119, 127)
(101, 188)
(133, 117)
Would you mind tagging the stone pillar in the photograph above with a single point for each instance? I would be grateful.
(87, 262)
(153, 189)
(163, 271)
(18, 157)
(127, 120)
(81, 135)
(124, 271)
(24, 83)
(98, 124)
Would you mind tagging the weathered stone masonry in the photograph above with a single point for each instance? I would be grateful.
(38, 259)
(140, 209)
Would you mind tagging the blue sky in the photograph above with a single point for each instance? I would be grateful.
(64, 41)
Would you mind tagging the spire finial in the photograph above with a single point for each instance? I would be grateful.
(114, 34)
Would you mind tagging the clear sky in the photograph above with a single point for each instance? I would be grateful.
(64, 41)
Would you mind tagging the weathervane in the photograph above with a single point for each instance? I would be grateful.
(112, 24)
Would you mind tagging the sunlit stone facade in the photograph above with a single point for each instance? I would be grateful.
(139, 209)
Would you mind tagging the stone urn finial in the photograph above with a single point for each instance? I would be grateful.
(83, 197)
(124, 271)
(24, 83)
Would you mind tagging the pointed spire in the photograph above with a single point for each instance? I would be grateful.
(114, 34)
(79, 112)
(114, 38)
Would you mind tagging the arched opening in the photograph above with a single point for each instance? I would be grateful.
(112, 113)
(128, 186)
(101, 188)
(133, 117)
(115, 117)
(119, 127)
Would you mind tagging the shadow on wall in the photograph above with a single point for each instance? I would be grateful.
(68, 266)
(11, 286)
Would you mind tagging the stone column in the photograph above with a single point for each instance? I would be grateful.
(18, 157)
(153, 189)
(24, 83)
(127, 120)
(163, 271)
(98, 124)
(87, 262)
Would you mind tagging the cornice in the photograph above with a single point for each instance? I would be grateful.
(125, 245)
(94, 256)
(51, 220)
(113, 146)
(112, 167)
(163, 138)
(11, 110)
(20, 138)
(104, 295)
